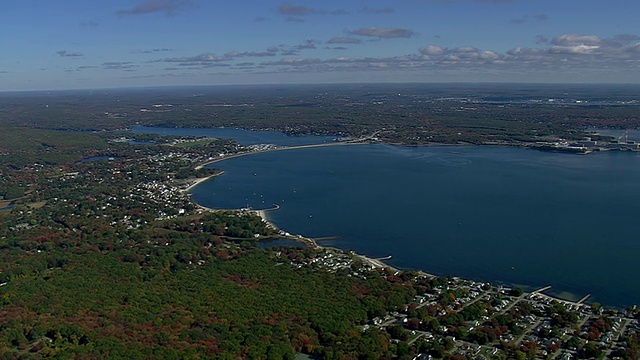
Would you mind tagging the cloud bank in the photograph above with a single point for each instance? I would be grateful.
(65, 53)
(383, 33)
(169, 7)
(567, 53)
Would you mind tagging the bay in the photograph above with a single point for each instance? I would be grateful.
(508, 215)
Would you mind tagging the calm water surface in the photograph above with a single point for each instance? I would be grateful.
(507, 215)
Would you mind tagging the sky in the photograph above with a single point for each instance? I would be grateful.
(82, 44)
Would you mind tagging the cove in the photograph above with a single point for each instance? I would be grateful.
(498, 214)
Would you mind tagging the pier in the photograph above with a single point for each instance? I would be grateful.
(541, 289)
(581, 301)
(538, 293)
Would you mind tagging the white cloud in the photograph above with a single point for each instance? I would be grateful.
(574, 40)
(466, 49)
(169, 7)
(489, 55)
(432, 50)
(581, 56)
(344, 40)
(198, 58)
(368, 10)
(293, 62)
(293, 10)
(307, 44)
(118, 65)
(574, 49)
(383, 33)
(296, 10)
(65, 53)
(236, 54)
(568, 53)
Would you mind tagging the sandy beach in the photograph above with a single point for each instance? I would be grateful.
(198, 181)
(265, 218)
(375, 262)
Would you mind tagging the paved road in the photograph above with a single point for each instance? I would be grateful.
(527, 331)
(477, 298)
(523, 296)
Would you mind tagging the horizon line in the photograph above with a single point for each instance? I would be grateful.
(319, 84)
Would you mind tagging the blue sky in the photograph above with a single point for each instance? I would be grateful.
(75, 44)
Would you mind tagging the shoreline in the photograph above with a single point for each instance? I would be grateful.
(282, 148)
(262, 213)
(265, 219)
(198, 181)
(374, 262)
(380, 264)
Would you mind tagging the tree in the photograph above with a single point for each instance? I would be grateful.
(573, 343)
(14, 192)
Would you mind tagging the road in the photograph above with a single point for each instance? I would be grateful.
(627, 321)
(527, 331)
(535, 292)
(517, 300)
(565, 338)
(420, 334)
(478, 298)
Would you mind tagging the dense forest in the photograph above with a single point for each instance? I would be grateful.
(163, 293)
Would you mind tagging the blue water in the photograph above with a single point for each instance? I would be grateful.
(508, 215)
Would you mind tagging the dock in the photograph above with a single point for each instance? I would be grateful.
(583, 299)
(541, 289)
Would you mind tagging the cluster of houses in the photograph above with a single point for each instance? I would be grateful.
(329, 259)
(588, 145)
